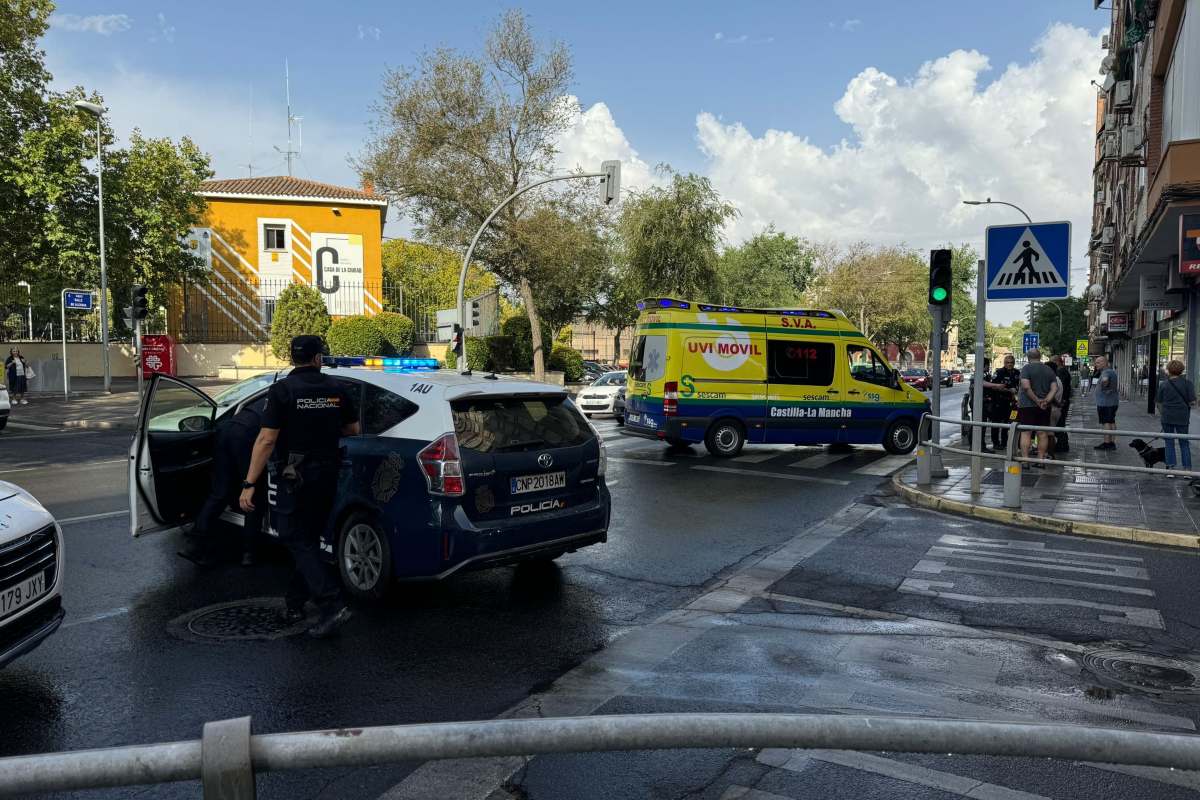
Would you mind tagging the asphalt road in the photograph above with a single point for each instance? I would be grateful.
(119, 671)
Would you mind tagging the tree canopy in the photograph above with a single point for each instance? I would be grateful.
(769, 269)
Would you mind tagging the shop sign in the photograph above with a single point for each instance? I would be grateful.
(1118, 322)
(1189, 244)
(1154, 295)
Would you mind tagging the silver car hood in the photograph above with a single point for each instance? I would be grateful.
(20, 513)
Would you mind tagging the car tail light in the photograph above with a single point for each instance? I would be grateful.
(670, 399)
(441, 465)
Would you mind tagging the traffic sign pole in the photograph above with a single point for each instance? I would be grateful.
(977, 387)
(66, 372)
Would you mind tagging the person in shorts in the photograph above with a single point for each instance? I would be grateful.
(1107, 399)
(1039, 386)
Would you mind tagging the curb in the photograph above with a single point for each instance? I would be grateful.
(1096, 530)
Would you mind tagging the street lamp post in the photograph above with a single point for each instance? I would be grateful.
(28, 304)
(97, 111)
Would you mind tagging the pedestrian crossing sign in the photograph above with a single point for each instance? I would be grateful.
(1029, 261)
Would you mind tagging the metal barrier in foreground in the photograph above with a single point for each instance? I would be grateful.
(228, 756)
(1013, 461)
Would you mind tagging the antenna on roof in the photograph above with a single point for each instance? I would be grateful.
(287, 90)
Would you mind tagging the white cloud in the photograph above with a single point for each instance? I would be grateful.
(920, 147)
(851, 24)
(166, 31)
(593, 137)
(103, 24)
(369, 32)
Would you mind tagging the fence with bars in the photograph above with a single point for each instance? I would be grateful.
(213, 312)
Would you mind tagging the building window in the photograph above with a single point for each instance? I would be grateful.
(274, 237)
(1181, 112)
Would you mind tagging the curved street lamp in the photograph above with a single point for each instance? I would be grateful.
(97, 111)
(990, 202)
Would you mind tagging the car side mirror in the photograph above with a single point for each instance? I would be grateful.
(196, 424)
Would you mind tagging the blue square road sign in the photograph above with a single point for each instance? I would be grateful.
(1029, 261)
(1029, 341)
(80, 301)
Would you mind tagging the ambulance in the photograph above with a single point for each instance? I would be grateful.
(726, 376)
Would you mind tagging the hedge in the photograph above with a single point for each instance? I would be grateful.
(355, 336)
(478, 353)
(397, 331)
(299, 310)
(519, 330)
(567, 360)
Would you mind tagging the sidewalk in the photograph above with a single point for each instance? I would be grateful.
(89, 407)
(1073, 499)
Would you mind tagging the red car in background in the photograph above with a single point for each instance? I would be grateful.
(917, 378)
(957, 375)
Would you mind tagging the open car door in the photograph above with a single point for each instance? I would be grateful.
(171, 456)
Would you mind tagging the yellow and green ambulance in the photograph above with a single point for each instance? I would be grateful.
(726, 376)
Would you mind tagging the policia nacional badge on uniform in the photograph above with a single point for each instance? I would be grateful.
(306, 415)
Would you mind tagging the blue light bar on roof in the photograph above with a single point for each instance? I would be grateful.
(402, 363)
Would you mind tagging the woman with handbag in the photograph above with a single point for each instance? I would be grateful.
(1176, 396)
(16, 374)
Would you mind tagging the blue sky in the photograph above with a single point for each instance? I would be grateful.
(655, 67)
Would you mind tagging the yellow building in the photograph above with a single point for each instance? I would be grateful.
(263, 234)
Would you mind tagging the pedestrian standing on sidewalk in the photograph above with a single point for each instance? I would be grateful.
(1176, 396)
(1108, 397)
(1085, 380)
(16, 373)
(1062, 444)
(1039, 388)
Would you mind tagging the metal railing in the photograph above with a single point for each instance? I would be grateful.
(928, 466)
(227, 757)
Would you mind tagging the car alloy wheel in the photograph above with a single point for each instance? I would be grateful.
(364, 558)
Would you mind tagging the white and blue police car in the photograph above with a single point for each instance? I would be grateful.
(451, 472)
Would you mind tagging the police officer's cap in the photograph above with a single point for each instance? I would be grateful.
(306, 348)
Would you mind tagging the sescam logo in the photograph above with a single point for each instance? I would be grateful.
(533, 508)
(731, 349)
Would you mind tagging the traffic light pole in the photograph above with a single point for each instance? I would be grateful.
(935, 400)
(137, 349)
(977, 387)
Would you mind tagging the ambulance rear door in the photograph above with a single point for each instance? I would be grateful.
(723, 373)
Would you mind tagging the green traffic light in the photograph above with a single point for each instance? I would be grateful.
(939, 294)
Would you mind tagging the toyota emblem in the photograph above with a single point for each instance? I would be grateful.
(545, 460)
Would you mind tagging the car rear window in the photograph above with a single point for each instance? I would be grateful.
(514, 424)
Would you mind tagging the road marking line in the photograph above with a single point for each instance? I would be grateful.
(1040, 547)
(758, 473)
(1032, 562)
(624, 460)
(29, 426)
(938, 567)
(962, 786)
(819, 460)
(754, 458)
(113, 612)
(884, 466)
(93, 465)
(90, 517)
(1130, 615)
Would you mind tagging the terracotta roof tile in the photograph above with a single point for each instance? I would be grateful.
(285, 186)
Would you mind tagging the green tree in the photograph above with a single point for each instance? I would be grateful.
(397, 331)
(1056, 338)
(770, 269)
(430, 272)
(459, 133)
(671, 235)
(614, 303)
(299, 310)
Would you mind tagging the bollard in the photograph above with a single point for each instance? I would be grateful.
(1012, 484)
(225, 769)
(924, 466)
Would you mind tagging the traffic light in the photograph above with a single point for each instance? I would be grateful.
(941, 278)
(611, 182)
(456, 342)
(474, 313)
(139, 308)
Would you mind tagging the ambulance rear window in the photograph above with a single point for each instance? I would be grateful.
(801, 362)
(648, 359)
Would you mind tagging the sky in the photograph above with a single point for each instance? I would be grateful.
(848, 121)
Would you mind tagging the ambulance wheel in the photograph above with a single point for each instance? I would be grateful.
(900, 438)
(725, 438)
(364, 558)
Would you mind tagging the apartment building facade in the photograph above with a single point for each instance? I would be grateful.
(1144, 293)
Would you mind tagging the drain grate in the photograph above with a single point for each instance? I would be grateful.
(1148, 673)
(257, 618)
(996, 478)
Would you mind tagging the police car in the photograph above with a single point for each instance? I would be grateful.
(31, 558)
(451, 472)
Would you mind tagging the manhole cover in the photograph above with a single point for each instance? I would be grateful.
(257, 618)
(1149, 673)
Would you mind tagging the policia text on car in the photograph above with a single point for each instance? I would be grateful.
(305, 416)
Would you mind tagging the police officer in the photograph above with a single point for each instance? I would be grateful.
(305, 416)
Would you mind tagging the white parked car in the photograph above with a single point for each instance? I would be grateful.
(5, 406)
(601, 396)
(31, 561)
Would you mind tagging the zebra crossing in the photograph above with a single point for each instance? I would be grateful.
(1035, 573)
(811, 464)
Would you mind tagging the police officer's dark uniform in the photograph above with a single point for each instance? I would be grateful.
(998, 403)
(231, 460)
(307, 412)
